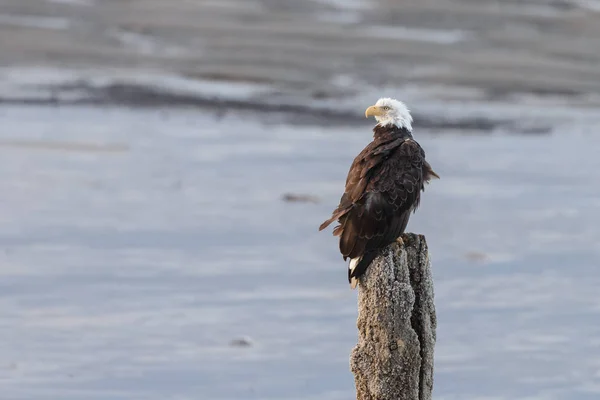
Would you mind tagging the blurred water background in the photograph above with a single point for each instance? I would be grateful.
(166, 163)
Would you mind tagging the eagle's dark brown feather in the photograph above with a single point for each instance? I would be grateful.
(383, 187)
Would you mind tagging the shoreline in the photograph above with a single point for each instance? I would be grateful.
(46, 87)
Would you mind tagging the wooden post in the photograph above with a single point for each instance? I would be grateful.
(393, 359)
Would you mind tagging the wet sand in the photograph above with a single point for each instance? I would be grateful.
(174, 269)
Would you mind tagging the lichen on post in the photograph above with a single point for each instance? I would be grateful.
(393, 359)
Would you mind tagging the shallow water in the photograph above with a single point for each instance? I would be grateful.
(138, 244)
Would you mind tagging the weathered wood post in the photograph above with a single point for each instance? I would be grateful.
(393, 359)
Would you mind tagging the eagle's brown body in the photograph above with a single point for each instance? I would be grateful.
(383, 188)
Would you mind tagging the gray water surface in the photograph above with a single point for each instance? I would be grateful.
(137, 244)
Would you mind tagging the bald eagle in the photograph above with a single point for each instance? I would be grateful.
(383, 188)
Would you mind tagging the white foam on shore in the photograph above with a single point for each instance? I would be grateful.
(592, 5)
(343, 12)
(147, 44)
(348, 4)
(417, 34)
(40, 83)
(87, 3)
(33, 21)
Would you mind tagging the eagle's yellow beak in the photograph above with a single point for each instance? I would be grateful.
(374, 111)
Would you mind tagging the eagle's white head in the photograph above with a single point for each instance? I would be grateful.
(390, 112)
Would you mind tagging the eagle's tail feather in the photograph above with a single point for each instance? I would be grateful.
(358, 266)
(337, 214)
(329, 221)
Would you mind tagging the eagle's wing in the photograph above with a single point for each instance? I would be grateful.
(356, 182)
(383, 187)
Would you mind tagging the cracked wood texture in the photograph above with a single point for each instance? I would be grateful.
(393, 359)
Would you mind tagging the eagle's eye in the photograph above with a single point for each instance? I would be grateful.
(386, 108)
